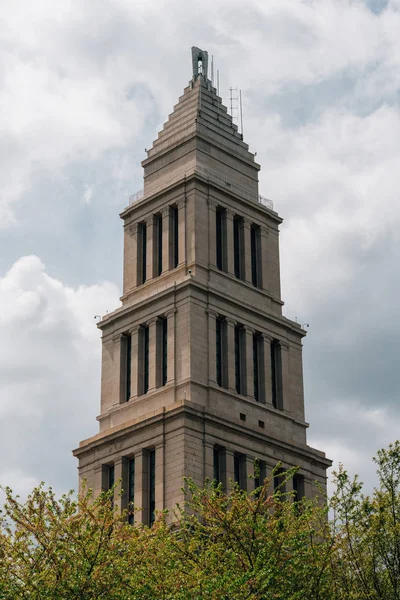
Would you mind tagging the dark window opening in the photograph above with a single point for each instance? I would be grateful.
(260, 473)
(217, 464)
(110, 481)
(239, 464)
(143, 359)
(276, 375)
(279, 479)
(152, 487)
(128, 366)
(238, 247)
(142, 252)
(298, 487)
(255, 235)
(158, 244)
(221, 238)
(242, 417)
(131, 490)
(174, 237)
(221, 352)
(240, 367)
(162, 351)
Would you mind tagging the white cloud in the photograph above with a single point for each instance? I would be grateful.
(50, 370)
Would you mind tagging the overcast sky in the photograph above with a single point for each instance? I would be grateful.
(84, 89)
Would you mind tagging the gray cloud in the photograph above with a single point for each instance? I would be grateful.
(83, 93)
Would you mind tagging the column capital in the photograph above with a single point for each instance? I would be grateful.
(230, 321)
(133, 330)
(284, 345)
(132, 228)
(117, 337)
(212, 204)
(149, 220)
(212, 313)
(151, 321)
(165, 212)
(181, 203)
(266, 337)
(247, 222)
(264, 230)
(170, 313)
(229, 213)
(249, 329)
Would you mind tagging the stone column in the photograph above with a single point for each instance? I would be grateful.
(159, 491)
(100, 480)
(230, 326)
(229, 242)
(249, 362)
(247, 250)
(166, 259)
(266, 370)
(208, 461)
(227, 468)
(150, 248)
(121, 472)
(212, 346)
(249, 473)
(181, 232)
(152, 324)
(141, 487)
(171, 354)
(134, 332)
(119, 374)
(212, 255)
(265, 262)
(130, 257)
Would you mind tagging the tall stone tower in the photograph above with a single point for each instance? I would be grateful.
(201, 373)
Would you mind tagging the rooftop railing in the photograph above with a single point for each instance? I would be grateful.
(222, 182)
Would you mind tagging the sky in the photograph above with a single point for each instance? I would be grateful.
(84, 89)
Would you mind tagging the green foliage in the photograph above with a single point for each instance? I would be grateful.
(217, 547)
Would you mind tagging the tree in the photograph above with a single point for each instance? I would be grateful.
(366, 561)
(218, 546)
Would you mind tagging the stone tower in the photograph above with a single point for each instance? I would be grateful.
(201, 373)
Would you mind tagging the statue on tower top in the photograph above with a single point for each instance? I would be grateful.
(200, 62)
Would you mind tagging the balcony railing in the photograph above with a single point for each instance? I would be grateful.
(221, 181)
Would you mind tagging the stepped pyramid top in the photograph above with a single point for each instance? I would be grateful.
(200, 112)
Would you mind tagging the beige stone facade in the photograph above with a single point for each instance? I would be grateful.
(201, 373)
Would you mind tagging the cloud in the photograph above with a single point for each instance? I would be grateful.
(49, 372)
(85, 88)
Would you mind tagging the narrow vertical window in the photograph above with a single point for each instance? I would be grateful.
(152, 486)
(298, 487)
(276, 375)
(240, 367)
(220, 222)
(239, 464)
(110, 482)
(164, 366)
(142, 252)
(279, 479)
(158, 244)
(128, 366)
(255, 255)
(260, 473)
(238, 247)
(110, 477)
(174, 236)
(162, 351)
(217, 464)
(143, 364)
(221, 352)
(131, 490)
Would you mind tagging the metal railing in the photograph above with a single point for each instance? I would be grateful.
(222, 181)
